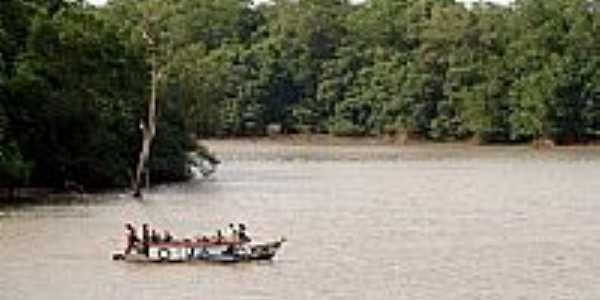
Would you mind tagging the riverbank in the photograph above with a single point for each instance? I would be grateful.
(325, 147)
(330, 140)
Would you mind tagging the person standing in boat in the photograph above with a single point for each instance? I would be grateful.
(219, 236)
(132, 238)
(145, 238)
(234, 234)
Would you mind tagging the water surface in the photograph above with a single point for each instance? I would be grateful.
(363, 222)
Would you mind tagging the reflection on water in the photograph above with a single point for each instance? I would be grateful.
(432, 222)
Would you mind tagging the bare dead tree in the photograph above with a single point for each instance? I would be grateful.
(148, 127)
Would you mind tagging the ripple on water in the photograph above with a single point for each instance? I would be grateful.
(368, 222)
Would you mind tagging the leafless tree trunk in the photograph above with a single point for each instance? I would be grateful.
(148, 128)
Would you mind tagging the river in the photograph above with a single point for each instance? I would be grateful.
(362, 222)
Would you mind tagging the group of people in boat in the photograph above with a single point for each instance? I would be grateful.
(148, 236)
(231, 234)
(238, 234)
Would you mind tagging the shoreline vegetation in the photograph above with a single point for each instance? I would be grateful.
(319, 139)
(314, 141)
(101, 97)
(303, 146)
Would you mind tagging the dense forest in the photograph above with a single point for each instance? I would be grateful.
(74, 78)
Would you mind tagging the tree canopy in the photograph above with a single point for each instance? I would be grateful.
(74, 78)
(435, 69)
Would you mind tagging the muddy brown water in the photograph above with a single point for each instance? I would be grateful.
(363, 222)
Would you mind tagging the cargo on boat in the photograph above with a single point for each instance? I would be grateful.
(236, 248)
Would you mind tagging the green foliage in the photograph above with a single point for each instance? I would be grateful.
(428, 68)
(435, 69)
(14, 169)
(168, 161)
(74, 96)
(74, 79)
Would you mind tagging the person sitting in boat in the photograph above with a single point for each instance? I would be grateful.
(242, 236)
(155, 237)
(230, 250)
(234, 234)
(167, 238)
(132, 238)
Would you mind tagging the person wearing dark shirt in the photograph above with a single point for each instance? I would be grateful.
(167, 237)
(145, 238)
(154, 236)
(243, 237)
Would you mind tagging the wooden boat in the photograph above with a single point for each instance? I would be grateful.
(222, 251)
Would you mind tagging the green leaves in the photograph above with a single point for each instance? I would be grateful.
(73, 78)
(431, 68)
(73, 98)
(14, 169)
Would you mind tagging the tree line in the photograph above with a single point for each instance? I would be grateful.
(432, 69)
(74, 78)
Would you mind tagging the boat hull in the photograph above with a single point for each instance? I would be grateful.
(188, 252)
